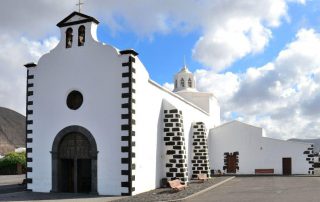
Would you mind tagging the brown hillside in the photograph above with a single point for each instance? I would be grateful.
(12, 130)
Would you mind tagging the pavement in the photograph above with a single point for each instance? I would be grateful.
(11, 183)
(221, 189)
(264, 189)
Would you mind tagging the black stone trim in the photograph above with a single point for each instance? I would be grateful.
(64, 22)
(125, 138)
(125, 184)
(125, 85)
(125, 95)
(29, 180)
(28, 112)
(129, 51)
(125, 161)
(125, 149)
(176, 162)
(31, 64)
(125, 127)
(29, 93)
(129, 104)
(124, 172)
(200, 154)
(29, 169)
(309, 154)
(226, 154)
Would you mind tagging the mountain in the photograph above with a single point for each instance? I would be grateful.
(315, 142)
(12, 130)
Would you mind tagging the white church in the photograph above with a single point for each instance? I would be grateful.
(97, 123)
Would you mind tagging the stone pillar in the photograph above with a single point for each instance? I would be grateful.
(200, 157)
(176, 158)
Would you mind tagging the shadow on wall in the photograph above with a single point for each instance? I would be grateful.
(160, 160)
(190, 147)
(210, 150)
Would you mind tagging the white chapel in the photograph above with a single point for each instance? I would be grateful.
(97, 123)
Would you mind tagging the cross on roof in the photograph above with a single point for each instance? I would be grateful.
(79, 4)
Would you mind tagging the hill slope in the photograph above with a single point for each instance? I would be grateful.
(315, 142)
(12, 130)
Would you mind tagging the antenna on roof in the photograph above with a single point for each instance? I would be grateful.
(79, 4)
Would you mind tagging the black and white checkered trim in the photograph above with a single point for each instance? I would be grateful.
(128, 126)
(176, 159)
(29, 122)
(200, 157)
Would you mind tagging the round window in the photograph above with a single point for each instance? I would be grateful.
(74, 100)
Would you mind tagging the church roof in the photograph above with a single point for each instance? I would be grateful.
(184, 69)
(82, 19)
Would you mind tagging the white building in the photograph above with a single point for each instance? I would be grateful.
(97, 123)
(240, 148)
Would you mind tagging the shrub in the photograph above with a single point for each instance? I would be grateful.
(8, 164)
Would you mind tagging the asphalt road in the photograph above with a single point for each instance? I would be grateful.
(11, 183)
(264, 189)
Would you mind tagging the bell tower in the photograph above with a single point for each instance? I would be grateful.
(184, 81)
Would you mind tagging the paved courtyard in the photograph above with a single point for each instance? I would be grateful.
(265, 189)
(239, 189)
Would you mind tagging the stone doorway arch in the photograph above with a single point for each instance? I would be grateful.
(74, 161)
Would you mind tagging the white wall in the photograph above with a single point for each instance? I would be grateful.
(94, 70)
(255, 151)
(149, 149)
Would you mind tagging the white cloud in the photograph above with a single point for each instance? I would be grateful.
(229, 30)
(13, 55)
(282, 96)
(168, 86)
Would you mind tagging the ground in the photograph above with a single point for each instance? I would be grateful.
(238, 189)
(265, 189)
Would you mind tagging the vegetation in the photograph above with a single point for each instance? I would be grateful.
(8, 164)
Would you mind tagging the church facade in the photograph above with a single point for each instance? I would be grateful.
(97, 123)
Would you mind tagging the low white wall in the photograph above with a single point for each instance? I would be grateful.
(255, 151)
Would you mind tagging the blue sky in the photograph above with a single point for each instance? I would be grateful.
(261, 59)
(163, 54)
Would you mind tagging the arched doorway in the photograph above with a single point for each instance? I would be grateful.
(74, 161)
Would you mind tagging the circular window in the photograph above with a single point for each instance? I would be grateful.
(74, 100)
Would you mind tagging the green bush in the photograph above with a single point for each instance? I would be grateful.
(11, 160)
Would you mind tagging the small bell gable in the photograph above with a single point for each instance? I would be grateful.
(77, 30)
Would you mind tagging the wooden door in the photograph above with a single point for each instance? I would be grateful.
(286, 166)
(66, 181)
(84, 175)
(231, 162)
